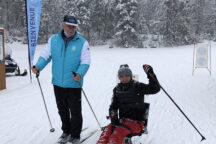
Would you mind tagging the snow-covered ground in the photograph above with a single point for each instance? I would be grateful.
(23, 118)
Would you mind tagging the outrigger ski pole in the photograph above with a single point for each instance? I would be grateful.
(203, 138)
(88, 102)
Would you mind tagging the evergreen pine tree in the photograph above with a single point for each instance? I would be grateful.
(126, 29)
(176, 28)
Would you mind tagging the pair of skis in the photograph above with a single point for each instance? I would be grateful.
(88, 136)
(85, 137)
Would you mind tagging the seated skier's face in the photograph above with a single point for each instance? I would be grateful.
(125, 79)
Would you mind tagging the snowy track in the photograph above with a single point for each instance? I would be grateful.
(23, 118)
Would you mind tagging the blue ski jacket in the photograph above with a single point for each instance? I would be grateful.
(67, 57)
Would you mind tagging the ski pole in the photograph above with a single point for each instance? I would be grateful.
(203, 138)
(51, 128)
(88, 102)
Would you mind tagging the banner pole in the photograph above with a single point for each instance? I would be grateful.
(28, 43)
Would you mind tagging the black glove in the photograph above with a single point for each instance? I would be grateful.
(114, 117)
(148, 70)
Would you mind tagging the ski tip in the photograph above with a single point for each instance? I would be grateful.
(97, 130)
(85, 128)
(93, 132)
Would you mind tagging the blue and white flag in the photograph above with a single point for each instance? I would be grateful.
(33, 17)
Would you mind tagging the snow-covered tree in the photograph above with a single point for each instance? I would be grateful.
(83, 14)
(175, 29)
(126, 29)
(176, 21)
(97, 16)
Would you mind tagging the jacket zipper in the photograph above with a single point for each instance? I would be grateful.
(64, 51)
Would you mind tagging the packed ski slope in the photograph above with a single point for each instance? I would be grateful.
(23, 118)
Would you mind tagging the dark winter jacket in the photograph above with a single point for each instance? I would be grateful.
(129, 98)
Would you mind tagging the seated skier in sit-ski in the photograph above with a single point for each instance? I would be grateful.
(128, 100)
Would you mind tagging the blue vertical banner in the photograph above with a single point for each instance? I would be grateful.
(33, 19)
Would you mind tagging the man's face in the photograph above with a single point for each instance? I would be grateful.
(125, 79)
(69, 29)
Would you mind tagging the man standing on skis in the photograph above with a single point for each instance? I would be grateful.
(128, 99)
(69, 53)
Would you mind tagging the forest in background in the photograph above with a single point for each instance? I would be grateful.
(120, 22)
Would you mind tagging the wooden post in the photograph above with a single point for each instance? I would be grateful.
(2, 61)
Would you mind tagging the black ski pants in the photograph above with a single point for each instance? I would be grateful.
(68, 101)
